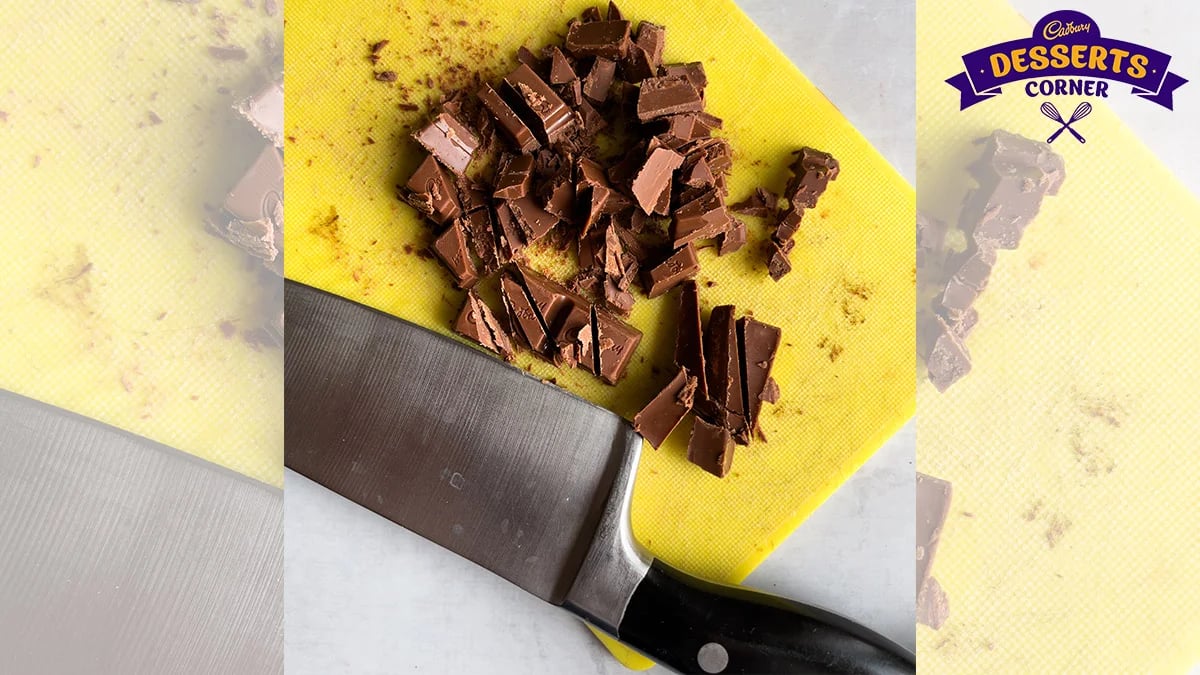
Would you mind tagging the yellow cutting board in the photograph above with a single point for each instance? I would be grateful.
(114, 295)
(846, 366)
(1073, 542)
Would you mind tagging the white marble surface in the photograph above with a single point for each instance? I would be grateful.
(364, 596)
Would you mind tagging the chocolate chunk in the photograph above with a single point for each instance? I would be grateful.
(770, 392)
(386, 76)
(265, 111)
(477, 322)
(609, 39)
(562, 312)
(528, 320)
(694, 72)
(534, 221)
(698, 175)
(778, 264)
(812, 170)
(723, 370)
(645, 54)
(710, 448)
(599, 80)
(931, 241)
(614, 14)
(962, 326)
(702, 218)
(431, 192)
(616, 298)
(957, 297)
(1014, 174)
(708, 123)
(975, 270)
(448, 140)
(666, 410)
(684, 127)
(757, 344)
(481, 235)
(689, 342)
(760, 204)
(732, 239)
(948, 360)
(510, 243)
(615, 341)
(654, 178)
(933, 505)
(671, 272)
(933, 607)
(663, 96)
(252, 216)
(789, 223)
(537, 104)
(590, 15)
(558, 197)
(561, 71)
(528, 58)
(514, 177)
(510, 123)
(227, 52)
(451, 247)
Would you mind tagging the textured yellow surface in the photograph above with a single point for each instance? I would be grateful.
(1073, 543)
(113, 294)
(846, 312)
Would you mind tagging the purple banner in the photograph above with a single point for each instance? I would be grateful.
(1066, 44)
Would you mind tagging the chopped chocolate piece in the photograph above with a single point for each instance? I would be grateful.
(481, 235)
(1014, 174)
(976, 269)
(933, 607)
(617, 298)
(948, 360)
(265, 111)
(957, 297)
(760, 204)
(654, 178)
(770, 392)
(561, 71)
(451, 247)
(651, 39)
(757, 344)
(671, 272)
(614, 14)
(585, 352)
(694, 72)
(558, 197)
(689, 342)
(616, 341)
(710, 448)
(593, 121)
(723, 370)
(609, 39)
(702, 218)
(510, 243)
(526, 57)
(684, 127)
(537, 104)
(509, 122)
(778, 264)
(252, 216)
(931, 240)
(448, 140)
(472, 196)
(477, 322)
(812, 171)
(386, 76)
(514, 177)
(933, 505)
(732, 239)
(666, 410)
(716, 152)
(663, 96)
(708, 123)
(698, 175)
(572, 93)
(528, 320)
(535, 221)
(964, 324)
(590, 15)
(433, 193)
(378, 46)
(599, 80)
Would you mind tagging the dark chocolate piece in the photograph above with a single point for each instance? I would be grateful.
(265, 111)
(599, 80)
(451, 247)
(528, 321)
(723, 370)
(537, 104)
(527, 57)
(710, 448)
(614, 14)
(948, 360)
(615, 341)
(645, 54)
(789, 223)
(933, 505)
(609, 39)
(561, 71)
(510, 123)
(534, 221)
(386, 76)
(665, 411)
(663, 96)
(760, 204)
(757, 344)
(702, 218)
(778, 264)
(933, 607)
(732, 239)
(689, 342)
(477, 322)
(590, 15)
(514, 177)
(654, 178)
(432, 192)
(447, 139)
(671, 272)
(812, 170)
(694, 72)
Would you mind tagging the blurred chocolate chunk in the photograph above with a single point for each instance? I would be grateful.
(264, 110)
(933, 505)
(1013, 175)
(948, 360)
(252, 215)
(933, 607)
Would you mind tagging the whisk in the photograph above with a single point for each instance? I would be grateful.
(1081, 111)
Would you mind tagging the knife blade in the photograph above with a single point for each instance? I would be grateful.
(529, 482)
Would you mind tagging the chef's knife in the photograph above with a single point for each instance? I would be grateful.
(530, 482)
(122, 555)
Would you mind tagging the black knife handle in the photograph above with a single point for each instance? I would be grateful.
(695, 626)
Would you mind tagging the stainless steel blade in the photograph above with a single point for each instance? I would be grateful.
(121, 555)
(447, 441)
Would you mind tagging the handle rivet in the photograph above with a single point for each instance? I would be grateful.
(712, 658)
